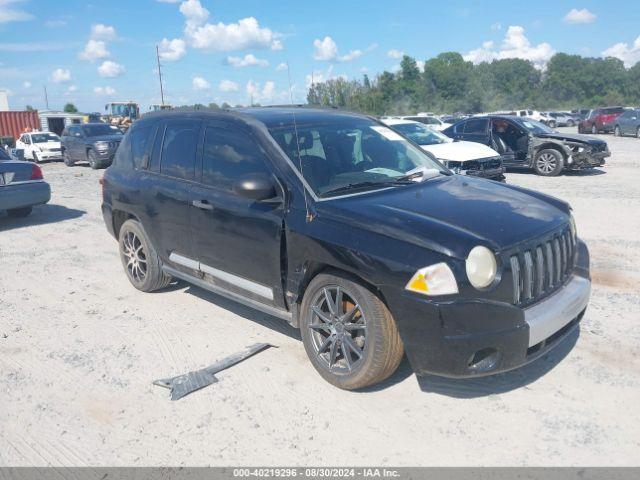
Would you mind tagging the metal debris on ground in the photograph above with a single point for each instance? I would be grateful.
(183, 385)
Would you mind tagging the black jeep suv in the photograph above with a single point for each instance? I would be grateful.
(95, 143)
(523, 142)
(350, 232)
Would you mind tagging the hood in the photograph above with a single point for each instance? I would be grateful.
(106, 138)
(452, 214)
(571, 137)
(47, 145)
(460, 151)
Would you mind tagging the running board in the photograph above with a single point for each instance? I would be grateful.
(276, 312)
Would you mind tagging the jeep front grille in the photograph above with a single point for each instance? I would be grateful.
(541, 268)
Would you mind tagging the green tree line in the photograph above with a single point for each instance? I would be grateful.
(449, 84)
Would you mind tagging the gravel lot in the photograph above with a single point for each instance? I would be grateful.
(79, 347)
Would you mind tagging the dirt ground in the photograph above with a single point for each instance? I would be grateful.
(79, 348)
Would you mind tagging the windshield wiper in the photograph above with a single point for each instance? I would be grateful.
(367, 184)
(421, 173)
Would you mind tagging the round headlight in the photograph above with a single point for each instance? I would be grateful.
(481, 267)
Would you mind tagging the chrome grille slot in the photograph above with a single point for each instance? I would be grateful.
(543, 266)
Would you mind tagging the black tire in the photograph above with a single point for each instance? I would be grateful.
(580, 129)
(35, 157)
(153, 278)
(548, 162)
(617, 132)
(93, 160)
(594, 130)
(552, 124)
(378, 344)
(67, 159)
(571, 123)
(20, 212)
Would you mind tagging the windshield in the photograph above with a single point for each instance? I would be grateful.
(420, 134)
(124, 110)
(536, 127)
(44, 137)
(100, 129)
(350, 154)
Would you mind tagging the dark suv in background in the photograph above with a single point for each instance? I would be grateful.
(95, 143)
(350, 232)
(600, 120)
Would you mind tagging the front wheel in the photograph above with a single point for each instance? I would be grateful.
(616, 131)
(548, 163)
(67, 159)
(139, 258)
(594, 130)
(552, 124)
(35, 157)
(94, 163)
(571, 123)
(348, 333)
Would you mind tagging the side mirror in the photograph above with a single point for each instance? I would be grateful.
(256, 186)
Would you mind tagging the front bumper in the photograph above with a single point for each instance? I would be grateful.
(579, 161)
(467, 338)
(48, 155)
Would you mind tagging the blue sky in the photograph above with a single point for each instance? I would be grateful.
(90, 53)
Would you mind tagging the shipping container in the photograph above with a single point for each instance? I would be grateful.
(14, 123)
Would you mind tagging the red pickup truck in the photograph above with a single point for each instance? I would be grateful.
(600, 120)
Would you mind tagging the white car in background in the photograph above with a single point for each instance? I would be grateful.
(466, 158)
(431, 121)
(38, 146)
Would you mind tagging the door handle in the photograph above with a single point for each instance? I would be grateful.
(203, 204)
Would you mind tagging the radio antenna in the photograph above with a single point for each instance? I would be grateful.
(295, 129)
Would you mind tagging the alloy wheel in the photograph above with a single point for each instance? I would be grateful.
(338, 329)
(547, 163)
(135, 256)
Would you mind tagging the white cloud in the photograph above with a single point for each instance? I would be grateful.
(72, 88)
(630, 55)
(248, 60)
(325, 49)
(104, 91)
(94, 50)
(172, 50)
(579, 16)
(319, 76)
(281, 67)
(514, 45)
(228, 86)
(246, 33)
(199, 83)
(25, 84)
(264, 94)
(100, 31)
(110, 69)
(9, 14)
(496, 26)
(61, 75)
(394, 53)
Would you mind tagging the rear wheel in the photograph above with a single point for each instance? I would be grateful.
(571, 123)
(20, 212)
(548, 163)
(348, 333)
(139, 258)
(594, 130)
(616, 131)
(67, 159)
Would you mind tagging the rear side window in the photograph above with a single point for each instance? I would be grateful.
(179, 149)
(476, 126)
(609, 111)
(228, 155)
(141, 139)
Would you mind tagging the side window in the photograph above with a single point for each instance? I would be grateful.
(476, 126)
(459, 128)
(74, 131)
(140, 139)
(27, 139)
(228, 155)
(179, 149)
(122, 158)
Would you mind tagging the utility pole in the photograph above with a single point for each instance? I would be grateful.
(46, 97)
(160, 75)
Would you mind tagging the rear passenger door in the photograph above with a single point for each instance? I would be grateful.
(476, 130)
(165, 186)
(236, 240)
